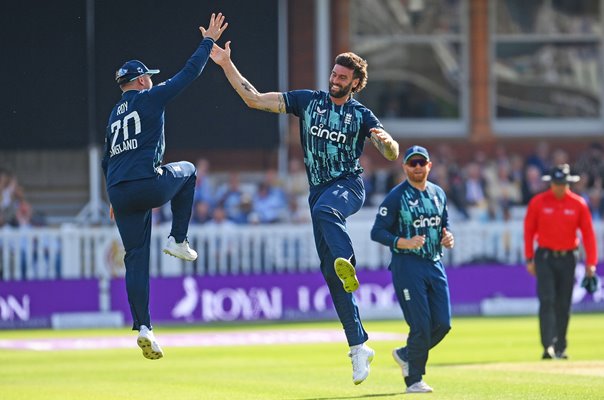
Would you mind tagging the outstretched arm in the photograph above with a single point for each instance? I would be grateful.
(384, 143)
(193, 67)
(271, 102)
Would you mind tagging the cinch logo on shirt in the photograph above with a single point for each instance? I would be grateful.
(424, 222)
(322, 132)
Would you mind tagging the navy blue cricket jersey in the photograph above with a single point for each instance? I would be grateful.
(407, 212)
(134, 141)
(332, 136)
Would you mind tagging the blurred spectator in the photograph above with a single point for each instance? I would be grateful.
(219, 219)
(475, 185)
(201, 212)
(157, 216)
(501, 155)
(369, 180)
(517, 170)
(269, 204)
(246, 209)
(532, 183)
(229, 197)
(559, 157)
(203, 186)
(440, 176)
(475, 191)
(593, 195)
(591, 162)
(295, 213)
(395, 175)
(10, 196)
(503, 192)
(297, 182)
(540, 158)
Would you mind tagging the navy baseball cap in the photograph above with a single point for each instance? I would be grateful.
(132, 70)
(416, 151)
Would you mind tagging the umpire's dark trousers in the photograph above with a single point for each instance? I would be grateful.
(330, 205)
(132, 203)
(555, 281)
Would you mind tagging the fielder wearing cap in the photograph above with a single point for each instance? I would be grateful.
(138, 182)
(416, 150)
(131, 70)
(552, 220)
(413, 223)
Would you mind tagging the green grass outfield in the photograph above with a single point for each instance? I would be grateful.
(482, 358)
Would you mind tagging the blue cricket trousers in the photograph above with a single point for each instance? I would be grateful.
(423, 292)
(330, 205)
(132, 203)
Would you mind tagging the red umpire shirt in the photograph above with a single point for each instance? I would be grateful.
(554, 222)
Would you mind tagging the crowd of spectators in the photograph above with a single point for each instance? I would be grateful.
(264, 199)
(499, 187)
(484, 188)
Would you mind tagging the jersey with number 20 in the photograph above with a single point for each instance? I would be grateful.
(134, 142)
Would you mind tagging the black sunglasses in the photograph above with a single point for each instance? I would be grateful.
(422, 162)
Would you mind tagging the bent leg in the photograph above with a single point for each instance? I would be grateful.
(178, 184)
(329, 212)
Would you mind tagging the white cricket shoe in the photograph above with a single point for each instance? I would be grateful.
(361, 358)
(146, 341)
(180, 250)
(419, 387)
(397, 354)
(347, 274)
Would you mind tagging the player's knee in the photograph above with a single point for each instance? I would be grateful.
(329, 274)
(442, 329)
(322, 212)
(188, 168)
(422, 337)
(317, 212)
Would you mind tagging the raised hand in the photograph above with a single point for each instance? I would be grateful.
(384, 143)
(219, 55)
(215, 28)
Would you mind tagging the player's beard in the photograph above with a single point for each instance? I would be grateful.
(419, 177)
(338, 92)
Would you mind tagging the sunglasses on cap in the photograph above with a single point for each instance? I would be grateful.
(422, 162)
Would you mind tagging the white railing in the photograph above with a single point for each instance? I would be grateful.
(80, 252)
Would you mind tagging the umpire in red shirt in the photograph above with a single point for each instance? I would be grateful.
(552, 219)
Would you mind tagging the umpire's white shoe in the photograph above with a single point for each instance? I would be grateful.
(347, 274)
(419, 387)
(400, 359)
(180, 250)
(361, 357)
(146, 341)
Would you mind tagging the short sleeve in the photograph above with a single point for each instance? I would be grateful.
(296, 101)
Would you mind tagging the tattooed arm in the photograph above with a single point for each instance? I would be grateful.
(384, 143)
(271, 102)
